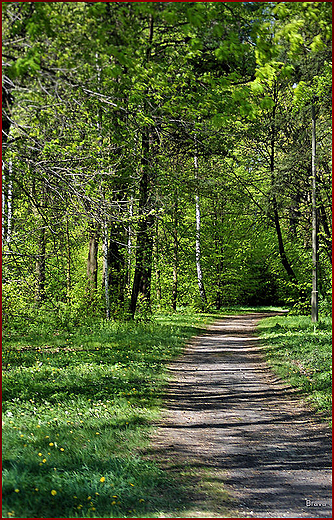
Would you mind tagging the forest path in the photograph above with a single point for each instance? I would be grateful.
(231, 424)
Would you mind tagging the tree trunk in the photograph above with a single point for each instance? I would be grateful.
(106, 268)
(327, 236)
(68, 264)
(219, 219)
(3, 206)
(129, 242)
(7, 102)
(40, 267)
(117, 263)
(284, 259)
(40, 264)
(92, 266)
(198, 241)
(175, 252)
(144, 248)
(314, 297)
(157, 269)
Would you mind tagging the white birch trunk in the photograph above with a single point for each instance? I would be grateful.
(9, 203)
(198, 240)
(3, 203)
(106, 268)
(129, 244)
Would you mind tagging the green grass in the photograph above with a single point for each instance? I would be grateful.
(79, 404)
(301, 353)
(77, 408)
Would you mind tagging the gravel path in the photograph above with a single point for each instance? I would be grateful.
(226, 411)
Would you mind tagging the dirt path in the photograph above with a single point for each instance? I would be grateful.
(235, 426)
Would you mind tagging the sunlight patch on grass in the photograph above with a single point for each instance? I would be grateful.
(301, 353)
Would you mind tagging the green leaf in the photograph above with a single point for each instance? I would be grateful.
(267, 102)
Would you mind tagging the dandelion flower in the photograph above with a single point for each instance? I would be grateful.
(51, 444)
(17, 490)
(39, 454)
(113, 503)
(53, 492)
(44, 460)
(62, 449)
(102, 479)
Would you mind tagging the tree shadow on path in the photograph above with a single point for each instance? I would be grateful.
(228, 414)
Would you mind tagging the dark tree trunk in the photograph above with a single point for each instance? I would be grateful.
(92, 266)
(284, 259)
(7, 102)
(327, 235)
(144, 246)
(40, 267)
(117, 263)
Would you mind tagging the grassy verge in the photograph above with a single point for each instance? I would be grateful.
(77, 406)
(301, 353)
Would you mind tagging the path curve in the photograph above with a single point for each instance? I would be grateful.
(227, 411)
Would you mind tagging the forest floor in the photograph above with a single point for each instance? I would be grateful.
(238, 440)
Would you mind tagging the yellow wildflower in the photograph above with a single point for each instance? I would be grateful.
(102, 479)
(53, 492)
